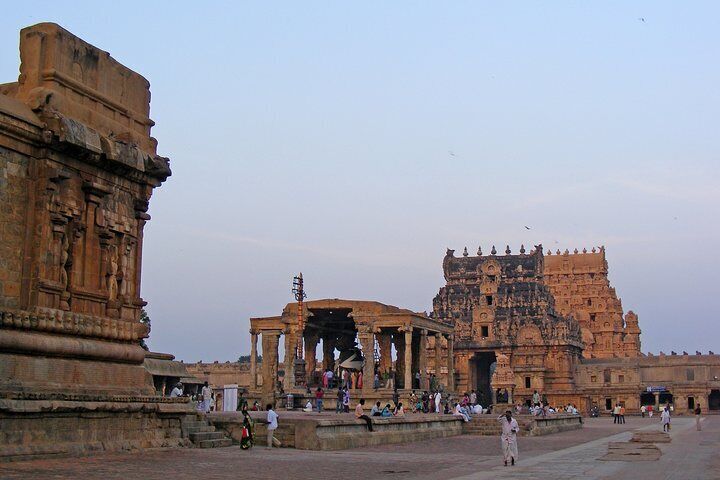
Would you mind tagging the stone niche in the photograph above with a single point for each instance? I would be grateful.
(77, 169)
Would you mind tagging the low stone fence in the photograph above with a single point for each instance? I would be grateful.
(529, 425)
(314, 431)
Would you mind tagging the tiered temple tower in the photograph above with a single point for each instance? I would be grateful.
(579, 282)
(500, 305)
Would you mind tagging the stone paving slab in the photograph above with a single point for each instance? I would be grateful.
(573, 454)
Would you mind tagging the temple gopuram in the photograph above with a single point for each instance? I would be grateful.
(529, 322)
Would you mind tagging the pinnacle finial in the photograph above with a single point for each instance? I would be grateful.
(507, 249)
(557, 252)
(567, 252)
(522, 248)
(465, 252)
(549, 252)
(493, 251)
(575, 251)
(479, 252)
(593, 250)
(584, 250)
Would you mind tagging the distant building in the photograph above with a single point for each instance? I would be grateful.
(559, 323)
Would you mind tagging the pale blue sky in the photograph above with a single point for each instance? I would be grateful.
(316, 137)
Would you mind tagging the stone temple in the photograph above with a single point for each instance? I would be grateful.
(77, 169)
(507, 324)
(559, 328)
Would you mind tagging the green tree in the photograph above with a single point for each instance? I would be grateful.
(145, 319)
(246, 358)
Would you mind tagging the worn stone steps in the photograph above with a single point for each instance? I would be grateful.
(204, 435)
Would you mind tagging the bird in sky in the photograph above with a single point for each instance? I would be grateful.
(452, 154)
(527, 228)
(642, 19)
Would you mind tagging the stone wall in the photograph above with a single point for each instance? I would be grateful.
(77, 169)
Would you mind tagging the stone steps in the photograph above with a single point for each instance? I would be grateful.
(204, 435)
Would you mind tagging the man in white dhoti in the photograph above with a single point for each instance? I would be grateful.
(665, 419)
(438, 399)
(508, 438)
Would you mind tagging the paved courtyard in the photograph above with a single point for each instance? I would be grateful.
(574, 454)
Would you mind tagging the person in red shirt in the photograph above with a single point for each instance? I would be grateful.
(319, 394)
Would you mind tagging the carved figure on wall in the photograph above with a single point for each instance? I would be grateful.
(112, 273)
(64, 260)
(124, 274)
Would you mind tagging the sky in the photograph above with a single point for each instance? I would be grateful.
(355, 142)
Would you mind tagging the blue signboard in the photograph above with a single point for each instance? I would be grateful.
(656, 389)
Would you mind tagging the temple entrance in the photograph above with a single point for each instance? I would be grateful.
(665, 398)
(647, 398)
(484, 366)
(714, 400)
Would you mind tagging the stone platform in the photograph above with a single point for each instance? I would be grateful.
(331, 431)
(529, 425)
(42, 426)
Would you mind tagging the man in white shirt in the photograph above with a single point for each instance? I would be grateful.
(272, 420)
(438, 399)
(206, 397)
(177, 391)
(508, 438)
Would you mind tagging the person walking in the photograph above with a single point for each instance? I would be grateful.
(346, 400)
(508, 438)
(536, 398)
(438, 399)
(395, 397)
(319, 394)
(616, 413)
(360, 414)
(697, 412)
(272, 424)
(642, 411)
(622, 414)
(665, 419)
(339, 401)
(206, 393)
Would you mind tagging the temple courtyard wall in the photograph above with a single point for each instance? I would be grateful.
(330, 431)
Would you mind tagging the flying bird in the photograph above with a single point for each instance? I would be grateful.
(452, 154)
(642, 19)
(527, 228)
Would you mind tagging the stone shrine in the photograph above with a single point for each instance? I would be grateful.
(77, 169)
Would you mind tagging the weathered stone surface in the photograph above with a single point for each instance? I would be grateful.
(77, 169)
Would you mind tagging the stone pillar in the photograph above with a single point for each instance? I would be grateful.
(270, 341)
(399, 341)
(328, 353)
(385, 343)
(367, 344)
(407, 353)
(290, 345)
(450, 363)
(253, 359)
(438, 356)
(422, 360)
(311, 341)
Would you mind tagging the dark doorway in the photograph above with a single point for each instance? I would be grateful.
(665, 398)
(608, 404)
(647, 399)
(714, 400)
(484, 367)
(691, 403)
